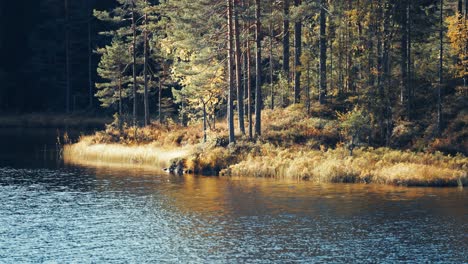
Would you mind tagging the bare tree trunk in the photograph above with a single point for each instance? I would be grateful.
(323, 52)
(441, 48)
(258, 71)
(386, 71)
(308, 88)
(159, 102)
(404, 59)
(120, 97)
(120, 103)
(240, 92)
(204, 121)
(297, 57)
(145, 71)
(408, 63)
(134, 67)
(230, 105)
(375, 20)
(249, 88)
(340, 55)
(286, 40)
(270, 29)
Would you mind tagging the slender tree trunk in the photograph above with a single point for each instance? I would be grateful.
(240, 92)
(375, 19)
(286, 53)
(308, 88)
(270, 29)
(134, 67)
(249, 88)
(230, 105)
(340, 54)
(120, 102)
(67, 58)
(145, 72)
(404, 59)
(408, 63)
(258, 71)
(297, 57)
(347, 57)
(330, 74)
(246, 29)
(323, 52)
(120, 98)
(386, 71)
(159, 102)
(204, 121)
(376, 29)
(441, 48)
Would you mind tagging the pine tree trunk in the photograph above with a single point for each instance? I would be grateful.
(120, 102)
(386, 71)
(441, 48)
(286, 40)
(404, 59)
(270, 29)
(408, 63)
(249, 88)
(134, 67)
(204, 121)
(159, 102)
(323, 53)
(340, 54)
(240, 92)
(258, 71)
(375, 19)
(308, 88)
(230, 105)
(120, 97)
(297, 57)
(145, 72)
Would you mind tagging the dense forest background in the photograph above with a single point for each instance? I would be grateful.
(33, 76)
(395, 70)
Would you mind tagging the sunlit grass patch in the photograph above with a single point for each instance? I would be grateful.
(366, 166)
(116, 153)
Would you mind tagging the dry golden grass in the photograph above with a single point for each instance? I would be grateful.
(366, 166)
(86, 150)
(293, 146)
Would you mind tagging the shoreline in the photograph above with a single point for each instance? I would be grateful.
(293, 146)
(368, 165)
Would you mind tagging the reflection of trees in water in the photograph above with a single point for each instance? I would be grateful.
(237, 197)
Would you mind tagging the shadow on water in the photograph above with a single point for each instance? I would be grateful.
(102, 213)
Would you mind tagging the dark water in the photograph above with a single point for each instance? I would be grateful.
(50, 212)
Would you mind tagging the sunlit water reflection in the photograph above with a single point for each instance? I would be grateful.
(59, 213)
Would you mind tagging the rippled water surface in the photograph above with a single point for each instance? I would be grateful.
(63, 213)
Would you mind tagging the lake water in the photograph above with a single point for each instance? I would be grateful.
(51, 212)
